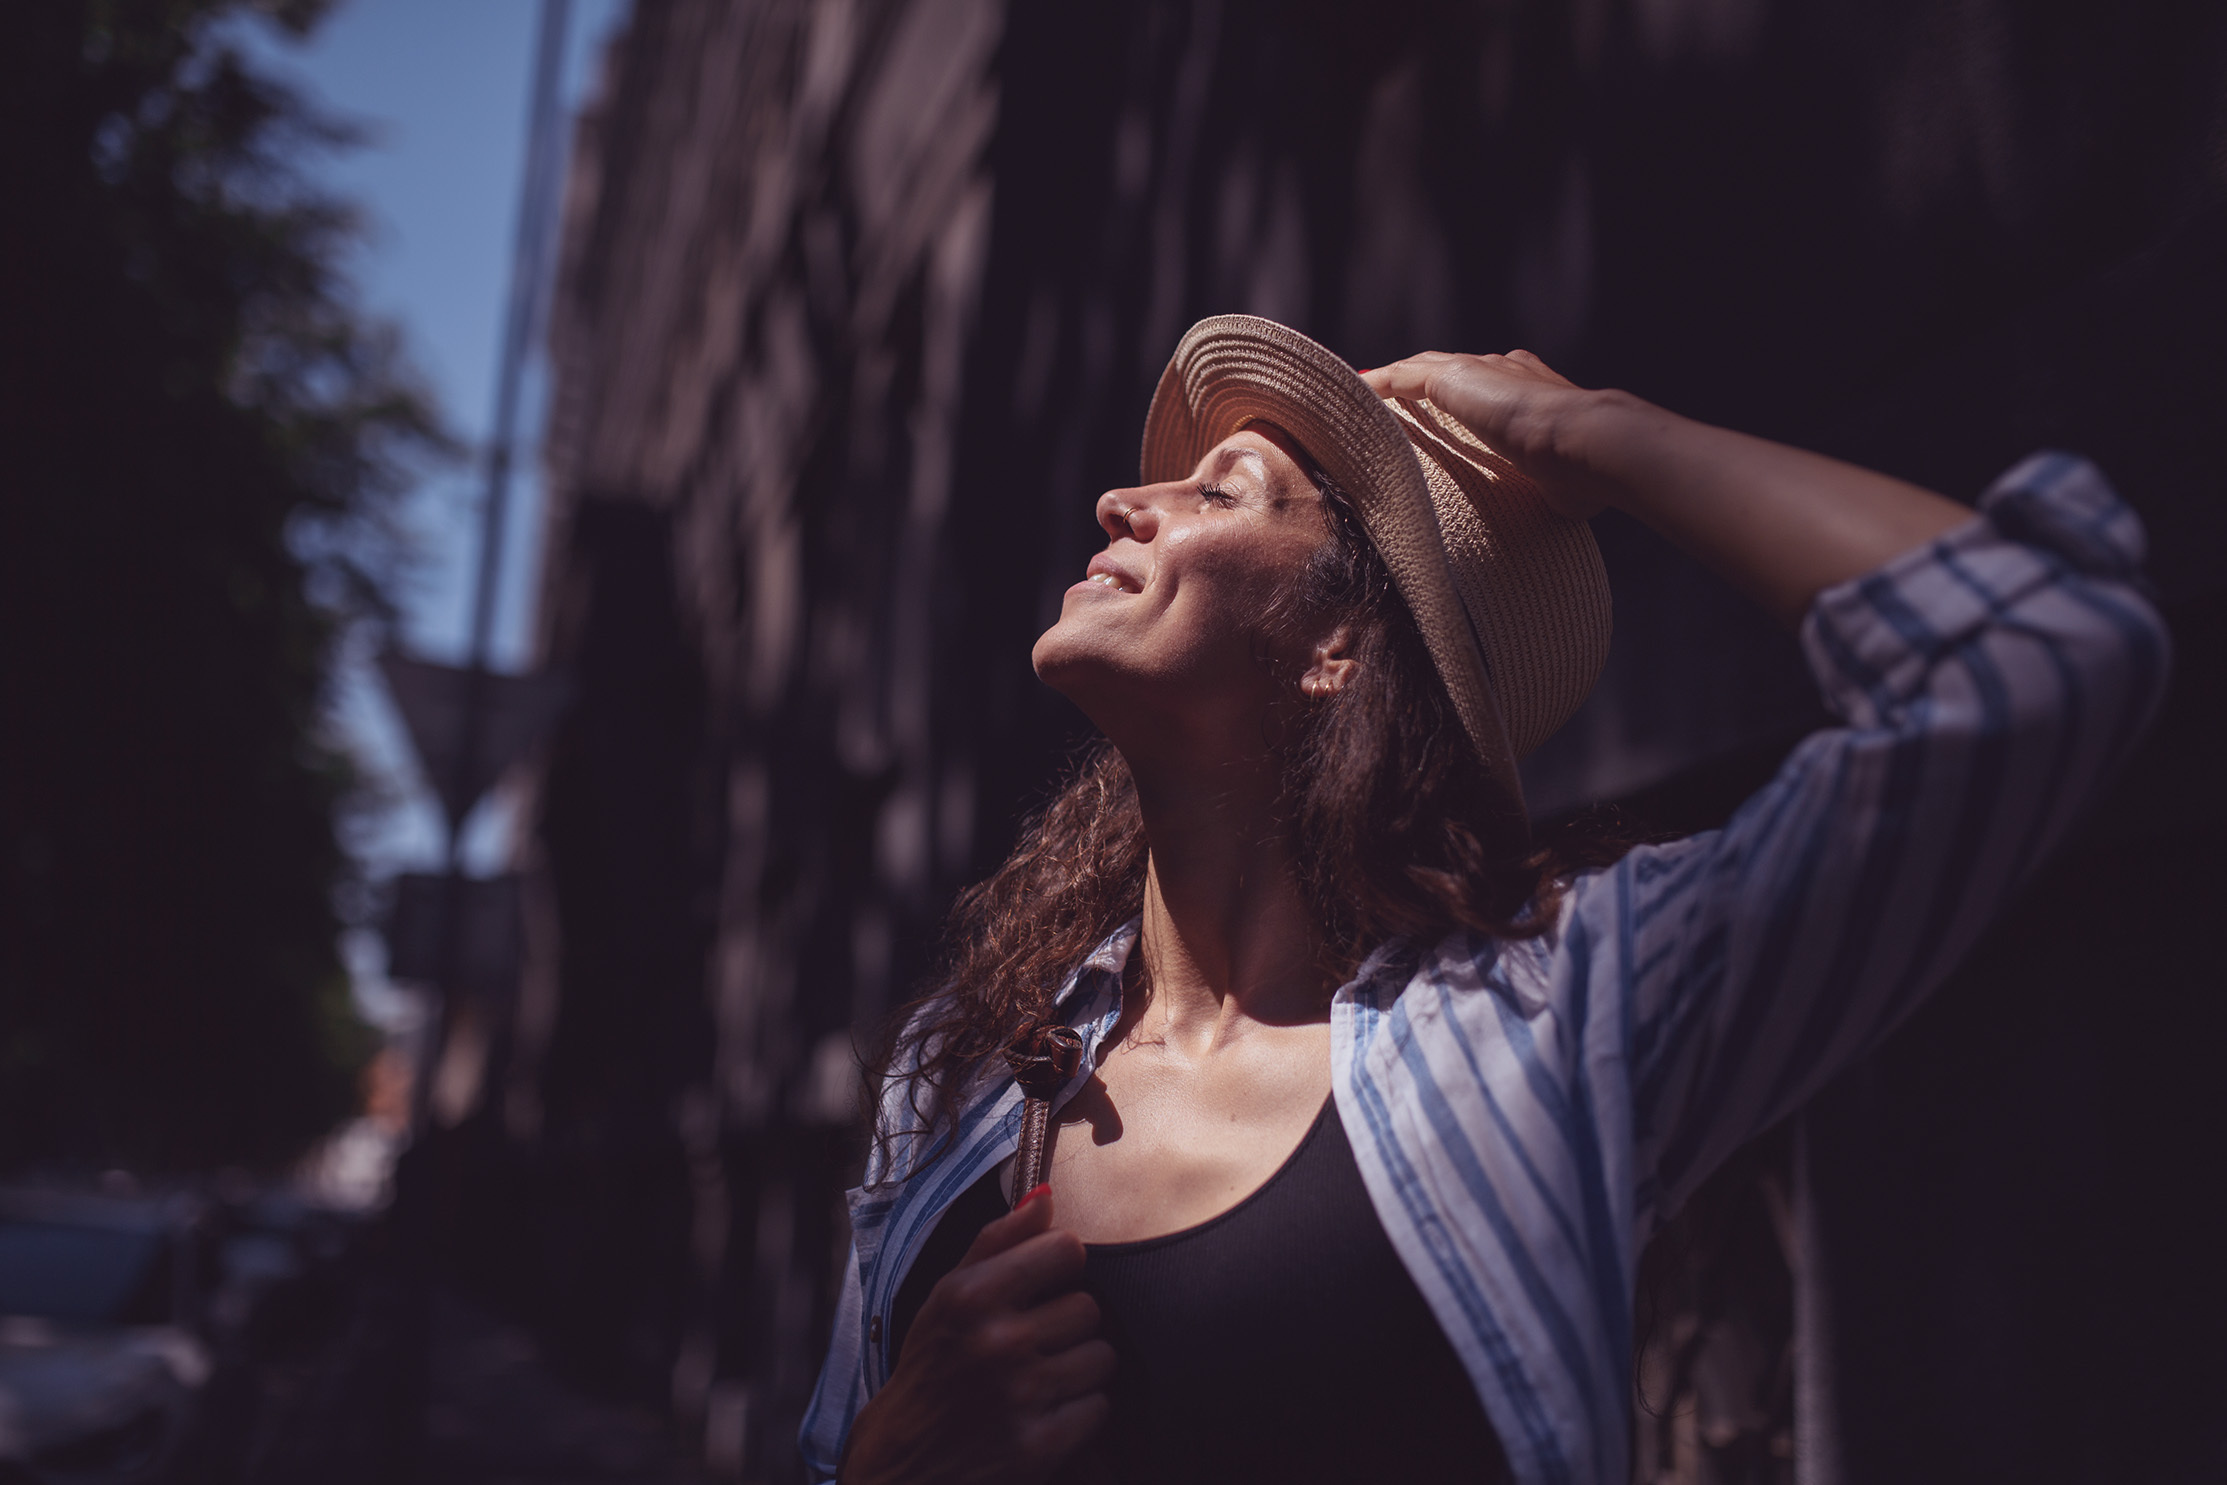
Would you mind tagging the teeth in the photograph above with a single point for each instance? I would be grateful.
(1107, 578)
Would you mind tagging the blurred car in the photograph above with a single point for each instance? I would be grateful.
(102, 1363)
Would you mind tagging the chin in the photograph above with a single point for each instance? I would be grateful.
(1055, 659)
(1069, 642)
(1066, 662)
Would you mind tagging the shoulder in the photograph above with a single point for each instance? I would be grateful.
(1471, 976)
(1605, 926)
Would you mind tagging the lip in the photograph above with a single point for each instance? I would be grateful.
(1104, 566)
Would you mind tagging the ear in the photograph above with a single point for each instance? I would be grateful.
(1333, 666)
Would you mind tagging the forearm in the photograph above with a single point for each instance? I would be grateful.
(1780, 523)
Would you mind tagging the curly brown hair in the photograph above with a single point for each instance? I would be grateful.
(1382, 791)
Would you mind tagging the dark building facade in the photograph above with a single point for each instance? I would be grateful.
(861, 305)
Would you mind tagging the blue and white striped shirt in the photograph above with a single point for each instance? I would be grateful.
(1526, 1113)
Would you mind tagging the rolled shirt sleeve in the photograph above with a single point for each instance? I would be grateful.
(1988, 682)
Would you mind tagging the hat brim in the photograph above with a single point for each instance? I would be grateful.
(1232, 370)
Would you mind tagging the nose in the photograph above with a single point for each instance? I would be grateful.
(1129, 513)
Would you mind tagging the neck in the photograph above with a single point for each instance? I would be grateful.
(1228, 940)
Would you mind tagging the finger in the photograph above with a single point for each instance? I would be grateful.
(1058, 1432)
(1068, 1320)
(1032, 1216)
(1075, 1372)
(1047, 1264)
(1533, 363)
(1409, 378)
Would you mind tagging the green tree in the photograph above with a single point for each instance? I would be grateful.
(200, 444)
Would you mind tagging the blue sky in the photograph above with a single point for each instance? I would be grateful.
(440, 89)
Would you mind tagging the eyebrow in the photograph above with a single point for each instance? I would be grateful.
(1226, 457)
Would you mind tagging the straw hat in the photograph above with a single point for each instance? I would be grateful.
(1511, 598)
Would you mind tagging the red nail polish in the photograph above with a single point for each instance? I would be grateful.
(1038, 1191)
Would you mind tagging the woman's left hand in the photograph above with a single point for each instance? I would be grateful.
(1516, 403)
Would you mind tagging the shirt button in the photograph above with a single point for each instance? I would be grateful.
(874, 1330)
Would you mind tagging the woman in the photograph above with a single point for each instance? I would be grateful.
(1381, 1096)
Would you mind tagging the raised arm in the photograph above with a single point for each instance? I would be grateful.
(1779, 523)
(1990, 668)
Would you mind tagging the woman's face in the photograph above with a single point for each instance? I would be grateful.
(1169, 621)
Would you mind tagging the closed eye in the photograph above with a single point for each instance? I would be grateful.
(1218, 494)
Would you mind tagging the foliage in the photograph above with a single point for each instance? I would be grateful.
(200, 444)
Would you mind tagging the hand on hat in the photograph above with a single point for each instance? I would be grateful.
(1779, 522)
(1516, 403)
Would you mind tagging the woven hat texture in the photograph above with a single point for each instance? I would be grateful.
(1511, 598)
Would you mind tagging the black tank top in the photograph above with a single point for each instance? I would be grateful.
(1282, 1340)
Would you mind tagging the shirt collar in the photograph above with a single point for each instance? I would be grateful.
(1090, 1001)
(1109, 959)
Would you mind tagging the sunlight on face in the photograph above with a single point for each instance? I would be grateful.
(1168, 622)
